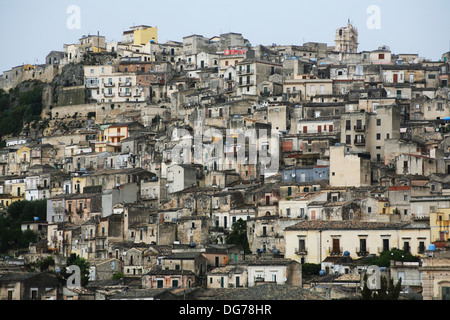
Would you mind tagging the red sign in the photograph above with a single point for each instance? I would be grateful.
(233, 52)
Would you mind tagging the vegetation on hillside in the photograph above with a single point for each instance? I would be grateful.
(11, 235)
(19, 107)
(384, 259)
(238, 235)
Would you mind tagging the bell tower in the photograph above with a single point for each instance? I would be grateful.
(346, 39)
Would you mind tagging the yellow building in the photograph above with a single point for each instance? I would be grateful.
(14, 190)
(23, 158)
(440, 224)
(312, 241)
(144, 34)
(78, 183)
(110, 138)
(28, 67)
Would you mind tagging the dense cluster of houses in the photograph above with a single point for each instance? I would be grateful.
(151, 157)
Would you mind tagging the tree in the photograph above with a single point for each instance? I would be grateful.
(46, 263)
(311, 268)
(21, 211)
(118, 275)
(238, 235)
(384, 259)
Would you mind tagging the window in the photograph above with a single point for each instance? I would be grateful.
(378, 136)
(378, 122)
(347, 124)
(421, 247)
(34, 294)
(362, 246)
(359, 124)
(301, 245)
(406, 247)
(385, 244)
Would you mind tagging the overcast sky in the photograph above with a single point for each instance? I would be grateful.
(30, 29)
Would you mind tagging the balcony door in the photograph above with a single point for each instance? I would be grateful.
(336, 247)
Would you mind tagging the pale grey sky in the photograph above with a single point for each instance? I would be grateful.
(30, 29)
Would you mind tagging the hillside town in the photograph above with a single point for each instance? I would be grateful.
(209, 168)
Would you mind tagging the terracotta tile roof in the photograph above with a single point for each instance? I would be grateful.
(268, 291)
(399, 188)
(346, 225)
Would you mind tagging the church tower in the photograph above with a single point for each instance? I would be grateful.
(346, 39)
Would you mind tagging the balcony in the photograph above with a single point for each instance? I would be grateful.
(116, 135)
(361, 252)
(359, 128)
(301, 251)
(335, 251)
(109, 84)
(109, 95)
(245, 71)
(124, 84)
(91, 85)
(359, 142)
(114, 144)
(248, 83)
(124, 94)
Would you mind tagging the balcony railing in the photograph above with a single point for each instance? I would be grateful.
(245, 71)
(90, 85)
(301, 251)
(360, 128)
(246, 83)
(116, 134)
(361, 252)
(109, 84)
(335, 251)
(124, 84)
